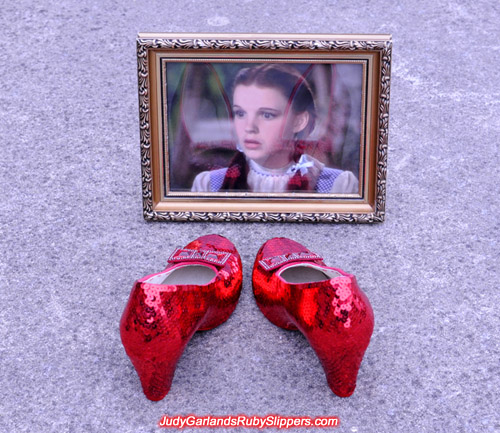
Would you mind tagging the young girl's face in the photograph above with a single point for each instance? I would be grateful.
(263, 125)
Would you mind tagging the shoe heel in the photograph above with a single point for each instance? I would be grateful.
(341, 365)
(155, 375)
(340, 331)
(155, 329)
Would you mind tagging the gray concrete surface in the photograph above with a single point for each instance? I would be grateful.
(74, 240)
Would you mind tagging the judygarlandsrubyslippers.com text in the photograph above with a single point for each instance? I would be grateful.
(246, 421)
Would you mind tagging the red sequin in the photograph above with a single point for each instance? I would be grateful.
(159, 320)
(334, 315)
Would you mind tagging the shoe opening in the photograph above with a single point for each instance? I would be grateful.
(307, 273)
(186, 275)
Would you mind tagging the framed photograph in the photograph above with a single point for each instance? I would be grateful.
(284, 128)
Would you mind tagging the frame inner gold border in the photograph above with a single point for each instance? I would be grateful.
(163, 139)
(161, 58)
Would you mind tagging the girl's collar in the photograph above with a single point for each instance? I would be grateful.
(269, 171)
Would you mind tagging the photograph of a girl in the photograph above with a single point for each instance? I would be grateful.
(269, 133)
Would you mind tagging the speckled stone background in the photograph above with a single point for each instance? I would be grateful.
(74, 240)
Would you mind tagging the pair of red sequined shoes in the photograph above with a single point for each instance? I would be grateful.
(199, 290)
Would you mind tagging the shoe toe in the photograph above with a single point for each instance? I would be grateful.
(279, 246)
(212, 242)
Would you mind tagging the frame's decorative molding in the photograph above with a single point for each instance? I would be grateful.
(264, 216)
(145, 44)
(261, 44)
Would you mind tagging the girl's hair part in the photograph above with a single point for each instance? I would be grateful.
(289, 81)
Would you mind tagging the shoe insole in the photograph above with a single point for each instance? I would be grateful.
(306, 274)
(193, 274)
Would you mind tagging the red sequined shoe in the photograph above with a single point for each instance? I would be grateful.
(197, 291)
(296, 290)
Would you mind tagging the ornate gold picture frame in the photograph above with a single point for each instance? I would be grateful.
(267, 127)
